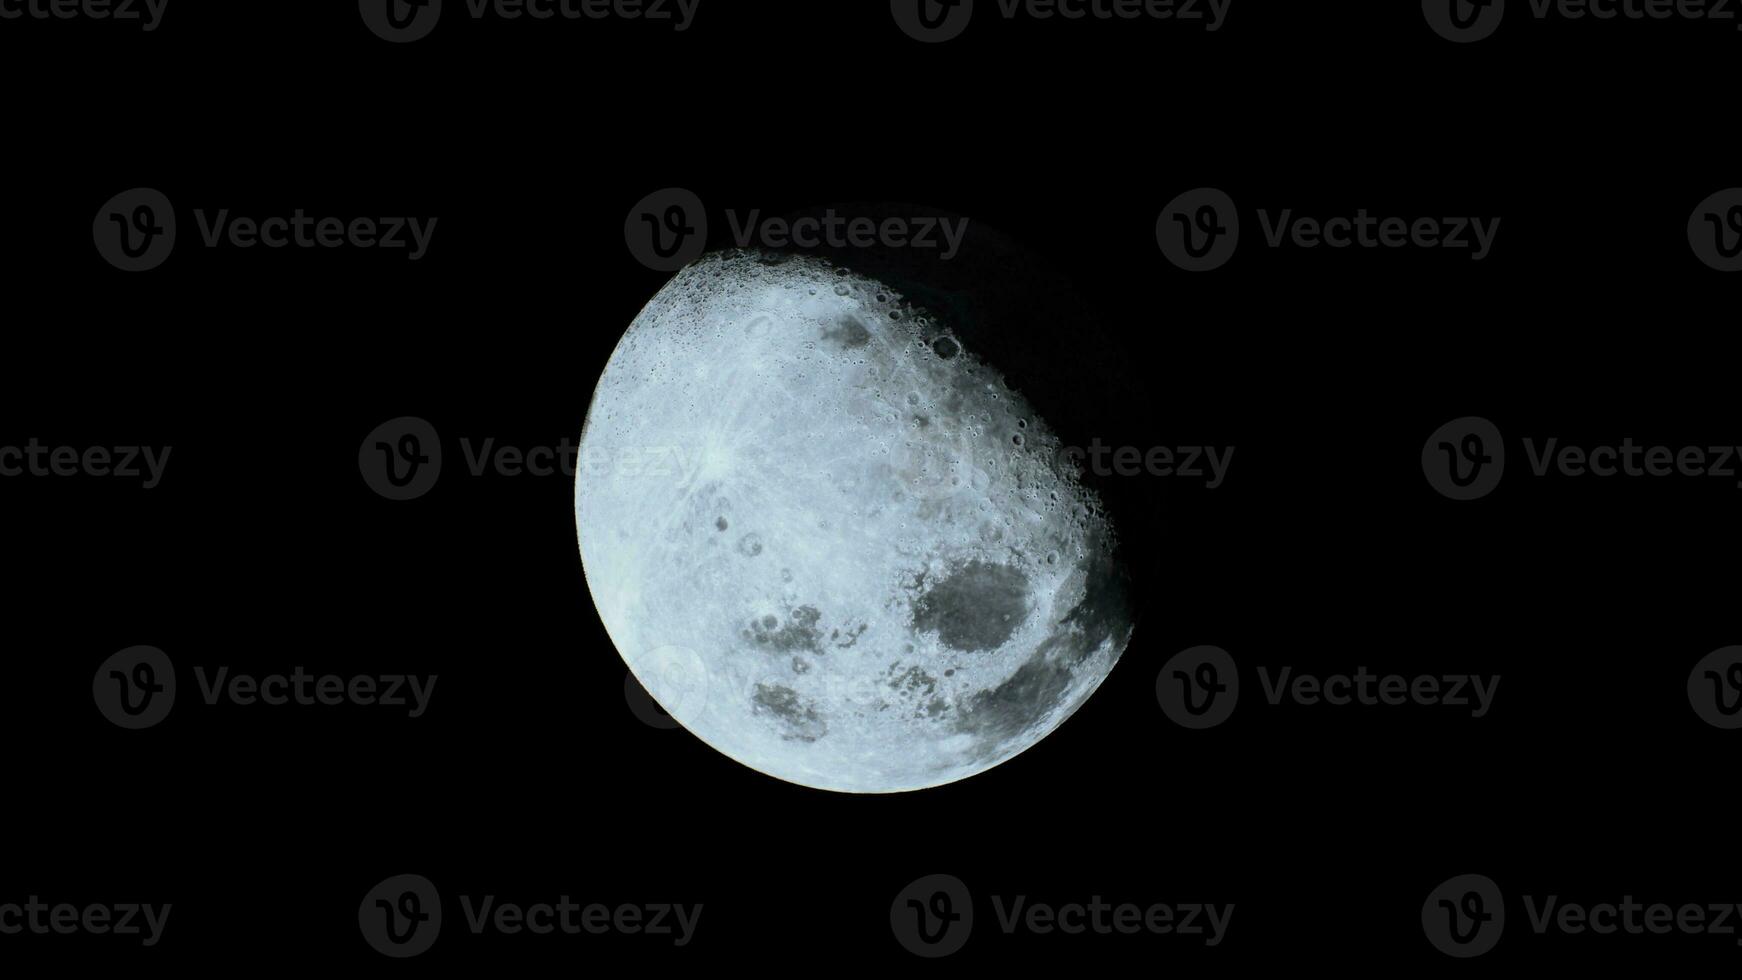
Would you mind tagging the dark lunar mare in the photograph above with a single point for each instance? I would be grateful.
(1011, 306)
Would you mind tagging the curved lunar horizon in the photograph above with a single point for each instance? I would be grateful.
(830, 540)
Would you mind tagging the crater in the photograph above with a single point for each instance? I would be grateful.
(975, 607)
(799, 633)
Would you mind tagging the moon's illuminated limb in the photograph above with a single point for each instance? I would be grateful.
(830, 541)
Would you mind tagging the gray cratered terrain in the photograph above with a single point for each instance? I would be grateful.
(831, 540)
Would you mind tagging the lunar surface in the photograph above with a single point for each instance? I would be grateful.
(831, 540)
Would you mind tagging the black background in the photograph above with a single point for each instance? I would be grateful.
(529, 778)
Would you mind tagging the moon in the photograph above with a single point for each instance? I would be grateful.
(831, 539)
